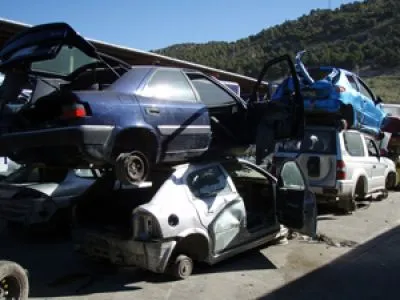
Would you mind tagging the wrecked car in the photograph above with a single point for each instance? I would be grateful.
(197, 212)
(42, 197)
(338, 92)
(95, 110)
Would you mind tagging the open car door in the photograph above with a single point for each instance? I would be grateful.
(272, 121)
(296, 205)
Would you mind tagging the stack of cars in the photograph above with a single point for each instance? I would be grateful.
(170, 189)
(341, 149)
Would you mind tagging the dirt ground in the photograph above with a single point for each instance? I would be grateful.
(357, 257)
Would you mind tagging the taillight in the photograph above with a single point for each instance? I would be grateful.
(340, 89)
(73, 111)
(340, 170)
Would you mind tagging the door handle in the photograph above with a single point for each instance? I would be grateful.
(153, 110)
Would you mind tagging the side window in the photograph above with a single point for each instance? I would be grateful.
(365, 90)
(352, 82)
(353, 144)
(169, 84)
(291, 176)
(372, 148)
(208, 182)
(210, 93)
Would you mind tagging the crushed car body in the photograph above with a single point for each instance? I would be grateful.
(339, 93)
(206, 211)
(103, 112)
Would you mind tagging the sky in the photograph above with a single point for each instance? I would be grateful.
(154, 24)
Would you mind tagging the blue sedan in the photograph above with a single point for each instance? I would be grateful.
(331, 90)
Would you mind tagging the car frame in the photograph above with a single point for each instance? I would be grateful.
(202, 224)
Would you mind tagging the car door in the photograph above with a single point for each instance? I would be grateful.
(372, 115)
(378, 168)
(295, 203)
(220, 208)
(169, 105)
(271, 121)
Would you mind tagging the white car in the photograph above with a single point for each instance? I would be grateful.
(193, 212)
(341, 166)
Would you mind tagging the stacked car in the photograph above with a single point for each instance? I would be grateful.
(142, 161)
(347, 126)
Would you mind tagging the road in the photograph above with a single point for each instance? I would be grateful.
(356, 258)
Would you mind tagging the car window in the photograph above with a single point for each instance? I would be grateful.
(315, 141)
(241, 170)
(352, 81)
(37, 175)
(210, 93)
(353, 143)
(365, 90)
(169, 84)
(291, 176)
(208, 182)
(372, 148)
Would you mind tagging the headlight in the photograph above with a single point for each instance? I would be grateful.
(145, 227)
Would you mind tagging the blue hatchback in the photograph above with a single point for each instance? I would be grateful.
(331, 90)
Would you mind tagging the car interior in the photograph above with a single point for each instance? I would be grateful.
(257, 193)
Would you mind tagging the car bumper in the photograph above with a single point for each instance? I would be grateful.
(151, 255)
(342, 189)
(62, 145)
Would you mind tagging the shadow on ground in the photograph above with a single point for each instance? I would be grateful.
(55, 270)
(370, 271)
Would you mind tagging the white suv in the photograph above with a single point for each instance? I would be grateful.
(341, 166)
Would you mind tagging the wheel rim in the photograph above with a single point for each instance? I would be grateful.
(185, 268)
(10, 288)
(135, 167)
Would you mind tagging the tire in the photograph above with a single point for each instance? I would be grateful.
(390, 181)
(14, 283)
(132, 168)
(181, 267)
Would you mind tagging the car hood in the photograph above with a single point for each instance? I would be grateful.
(10, 190)
(40, 43)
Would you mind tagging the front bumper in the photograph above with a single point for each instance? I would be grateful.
(58, 146)
(151, 255)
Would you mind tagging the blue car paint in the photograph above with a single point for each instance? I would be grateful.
(367, 114)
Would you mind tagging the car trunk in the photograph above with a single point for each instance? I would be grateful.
(107, 206)
(316, 156)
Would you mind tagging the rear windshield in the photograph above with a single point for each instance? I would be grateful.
(37, 175)
(315, 141)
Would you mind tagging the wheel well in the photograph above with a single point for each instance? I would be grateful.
(136, 139)
(195, 246)
(361, 186)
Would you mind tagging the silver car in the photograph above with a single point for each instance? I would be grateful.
(193, 212)
(35, 196)
(341, 166)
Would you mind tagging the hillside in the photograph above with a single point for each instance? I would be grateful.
(363, 35)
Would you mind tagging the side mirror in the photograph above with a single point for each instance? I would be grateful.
(378, 100)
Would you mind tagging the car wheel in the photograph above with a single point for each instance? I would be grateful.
(390, 181)
(14, 282)
(182, 267)
(132, 168)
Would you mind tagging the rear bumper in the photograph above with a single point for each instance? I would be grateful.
(63, 144)
(342, 189)
(152, 255)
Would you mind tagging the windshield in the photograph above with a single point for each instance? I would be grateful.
(67, 61)
(37, 175)
(315, 141)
